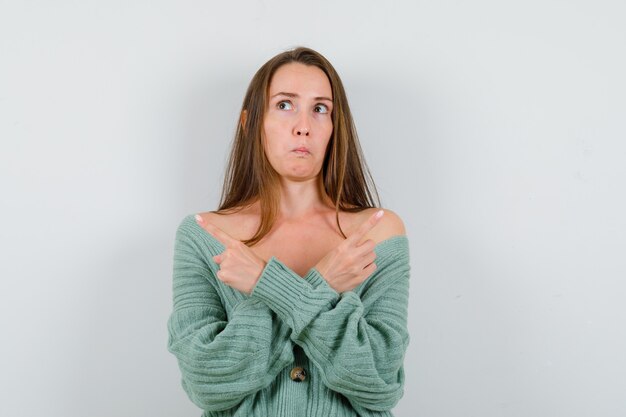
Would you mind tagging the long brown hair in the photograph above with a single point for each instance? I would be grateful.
(345, 177)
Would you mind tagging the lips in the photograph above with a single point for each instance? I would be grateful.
(301, 149)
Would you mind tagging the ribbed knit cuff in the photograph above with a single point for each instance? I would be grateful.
(314, 278)
(294, 299)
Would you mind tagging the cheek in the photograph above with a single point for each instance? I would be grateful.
(273, 127)
(327, 133)
(271, 140)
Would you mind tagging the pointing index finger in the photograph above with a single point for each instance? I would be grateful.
(223, 237)
(366, 226)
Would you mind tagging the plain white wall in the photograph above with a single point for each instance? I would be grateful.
(494, 129)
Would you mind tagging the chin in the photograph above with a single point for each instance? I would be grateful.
(298, 175)
(298, 169)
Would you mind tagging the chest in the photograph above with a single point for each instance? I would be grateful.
(300, 252)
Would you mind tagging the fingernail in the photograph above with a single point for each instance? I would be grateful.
(380, 214)
(198, 218)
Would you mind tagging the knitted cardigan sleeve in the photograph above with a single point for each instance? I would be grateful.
(223, 359)
(357, 339)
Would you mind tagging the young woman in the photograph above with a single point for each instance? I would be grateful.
(291, 299)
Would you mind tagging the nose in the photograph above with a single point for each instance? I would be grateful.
(302, 127)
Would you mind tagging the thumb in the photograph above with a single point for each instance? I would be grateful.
(217, 259)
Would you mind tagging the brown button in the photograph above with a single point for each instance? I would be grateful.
(298, 374)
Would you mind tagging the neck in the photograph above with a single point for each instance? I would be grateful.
(301, 199)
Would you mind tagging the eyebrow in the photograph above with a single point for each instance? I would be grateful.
(282, 93)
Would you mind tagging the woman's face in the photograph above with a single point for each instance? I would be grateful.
(298, 123)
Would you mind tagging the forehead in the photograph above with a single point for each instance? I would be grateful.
(301, 79)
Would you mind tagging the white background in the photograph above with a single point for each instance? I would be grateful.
(494, 129)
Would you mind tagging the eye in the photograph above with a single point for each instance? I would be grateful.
(284, 105)
(321, 108)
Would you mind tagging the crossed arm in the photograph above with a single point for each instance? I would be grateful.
(356, 339)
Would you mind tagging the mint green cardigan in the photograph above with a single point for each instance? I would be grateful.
(236, 351)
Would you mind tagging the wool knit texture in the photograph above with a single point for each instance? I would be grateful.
(236, 350)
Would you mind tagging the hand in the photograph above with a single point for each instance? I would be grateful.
(240, 268)
(349, 264)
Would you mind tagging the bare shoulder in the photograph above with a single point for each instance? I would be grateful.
(210, 217)
(390, 225)
(239, 225)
